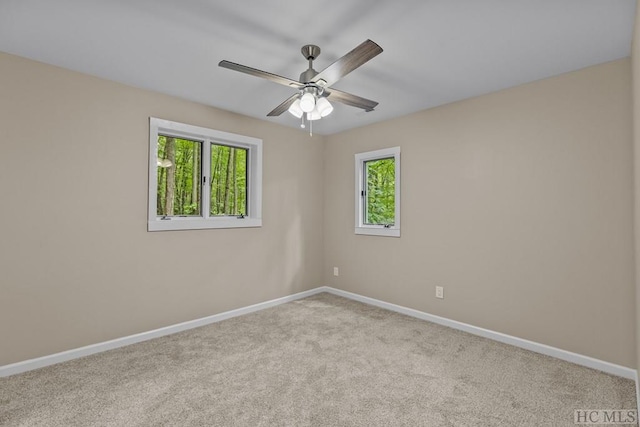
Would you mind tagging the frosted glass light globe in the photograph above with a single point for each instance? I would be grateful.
(324, 107)
(295, 109)
(307, 102)
(314, 115)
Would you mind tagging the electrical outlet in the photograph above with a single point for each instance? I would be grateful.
(439, 292)
(335, 271)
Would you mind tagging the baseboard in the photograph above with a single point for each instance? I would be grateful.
(578, 359)
(40, 362)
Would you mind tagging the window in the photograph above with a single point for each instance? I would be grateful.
(378, 192)
(202, 178)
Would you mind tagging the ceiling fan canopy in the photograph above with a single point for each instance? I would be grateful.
(311, 102)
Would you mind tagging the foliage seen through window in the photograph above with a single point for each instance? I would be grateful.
(179, 191)
(380, 191)
(179, 183)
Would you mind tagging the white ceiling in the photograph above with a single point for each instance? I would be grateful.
(435, 51)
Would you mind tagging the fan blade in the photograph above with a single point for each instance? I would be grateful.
(284, 106)
(349, 99)
(259, 73)
(343, 66)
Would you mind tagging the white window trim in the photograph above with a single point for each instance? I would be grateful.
(207, 136)
(369, 229)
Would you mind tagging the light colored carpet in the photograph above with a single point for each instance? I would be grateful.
(320, 361)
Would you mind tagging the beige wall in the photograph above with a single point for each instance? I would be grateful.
(518, 202)
(77, 265)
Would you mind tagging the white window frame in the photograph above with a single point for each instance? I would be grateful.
(371, 229)
(253, 217)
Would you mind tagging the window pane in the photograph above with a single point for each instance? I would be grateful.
(228, 180)
(380, 203)
(179, 177)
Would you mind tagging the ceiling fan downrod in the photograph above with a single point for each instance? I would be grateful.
(310, 52)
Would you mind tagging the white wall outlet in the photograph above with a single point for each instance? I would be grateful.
(335, 271)
(439, 292)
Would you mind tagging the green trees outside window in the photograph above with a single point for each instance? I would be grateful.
(380, 190)
(180, 179)
(228, 180)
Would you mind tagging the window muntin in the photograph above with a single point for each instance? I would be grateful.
(217, 178)
(377, 192)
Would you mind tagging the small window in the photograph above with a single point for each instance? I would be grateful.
(202, 178)
(378, 192)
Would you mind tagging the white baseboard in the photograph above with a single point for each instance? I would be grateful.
(40, 362)
(576, 358)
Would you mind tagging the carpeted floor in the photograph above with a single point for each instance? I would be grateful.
(320, 361)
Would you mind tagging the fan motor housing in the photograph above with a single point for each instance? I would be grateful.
(308, 75)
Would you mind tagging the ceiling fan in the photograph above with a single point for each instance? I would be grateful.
(314, 88)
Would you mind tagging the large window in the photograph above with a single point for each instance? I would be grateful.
(378, 192)
(202, 178)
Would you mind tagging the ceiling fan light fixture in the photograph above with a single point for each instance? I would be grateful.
(307, 102)
(295, 109)
(324, 107)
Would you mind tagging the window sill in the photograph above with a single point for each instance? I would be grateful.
(378, 231)
(201, 224)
